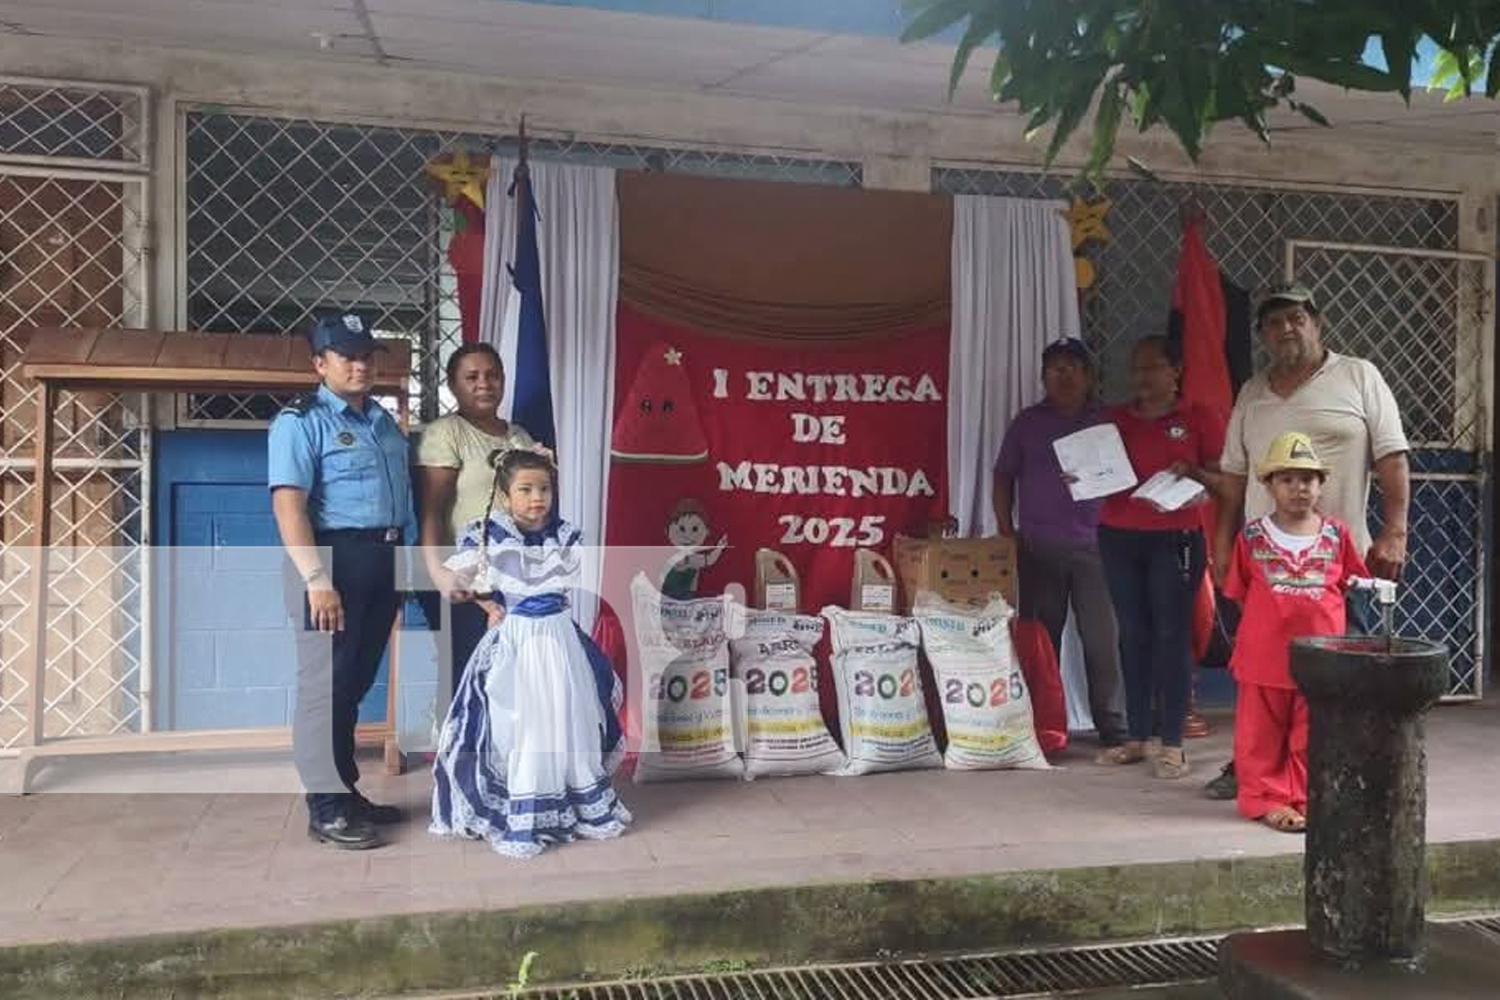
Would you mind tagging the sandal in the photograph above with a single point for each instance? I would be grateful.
(1125, 753)
(1170, 764)
(1285, 819)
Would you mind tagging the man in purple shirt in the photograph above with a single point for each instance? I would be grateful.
(1057, 544)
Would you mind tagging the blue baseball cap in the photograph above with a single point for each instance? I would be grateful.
(345, 334)
(1068, 347)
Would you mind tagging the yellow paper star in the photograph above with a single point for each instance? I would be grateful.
(1087, 221)
(1083, 270)
(461, 178)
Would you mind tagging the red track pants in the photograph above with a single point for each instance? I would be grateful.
(1270, 749)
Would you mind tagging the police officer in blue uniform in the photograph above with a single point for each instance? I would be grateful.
(339, 488)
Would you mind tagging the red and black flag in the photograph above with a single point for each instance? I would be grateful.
(1210, 324)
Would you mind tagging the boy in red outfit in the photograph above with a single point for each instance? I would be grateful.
(1289, 571)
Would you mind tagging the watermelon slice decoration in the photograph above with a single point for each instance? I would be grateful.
(658, 422)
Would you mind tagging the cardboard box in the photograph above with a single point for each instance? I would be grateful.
(961, 570)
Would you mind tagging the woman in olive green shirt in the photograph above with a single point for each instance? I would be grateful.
(454, 479)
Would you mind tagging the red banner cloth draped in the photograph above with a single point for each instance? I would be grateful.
(813, 451)
(1039, 665)
(466, 256)
(1198, 299)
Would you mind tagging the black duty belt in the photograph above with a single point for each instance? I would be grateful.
(386, 535)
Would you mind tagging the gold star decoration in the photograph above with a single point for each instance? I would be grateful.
(673, 356)
(461, 177)
(1086, 221)
(1083, 271)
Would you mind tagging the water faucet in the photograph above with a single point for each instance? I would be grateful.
(1385, 590)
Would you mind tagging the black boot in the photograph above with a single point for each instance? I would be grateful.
(342, 828)
(377, 815)
(1225, 786)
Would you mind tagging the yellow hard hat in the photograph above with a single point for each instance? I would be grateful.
(1292, 450)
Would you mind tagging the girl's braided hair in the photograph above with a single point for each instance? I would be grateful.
(507, 462)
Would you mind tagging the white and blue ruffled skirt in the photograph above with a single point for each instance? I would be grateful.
(526, 751)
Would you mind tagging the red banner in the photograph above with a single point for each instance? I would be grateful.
(722, 446)
(466, 256)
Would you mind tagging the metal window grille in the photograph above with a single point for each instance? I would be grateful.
(1247, 231)
(71, 254)
(288, 217)
(81, 124)
(1394, 289)
(1422, 314)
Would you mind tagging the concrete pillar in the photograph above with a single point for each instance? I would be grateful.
(1367, 792)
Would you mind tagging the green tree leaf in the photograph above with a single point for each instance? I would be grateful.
(1311, 113)
(1444, 69)
(981, 27)
(1398, 51)
(1106, 128)
(1189, 64)
(935, 16)
(1068, 118)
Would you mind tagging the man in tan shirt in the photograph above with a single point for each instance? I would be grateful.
(1345, 406)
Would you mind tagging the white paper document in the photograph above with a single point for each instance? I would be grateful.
(1167, 492)
(1096, 460)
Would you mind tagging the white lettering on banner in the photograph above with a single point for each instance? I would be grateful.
(721, 383)
(808, 428)
(840, 532)
(830, 480)
(839, 388)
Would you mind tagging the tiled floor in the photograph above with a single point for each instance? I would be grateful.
(82, 861)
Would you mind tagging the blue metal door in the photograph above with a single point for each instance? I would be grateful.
(222, 629)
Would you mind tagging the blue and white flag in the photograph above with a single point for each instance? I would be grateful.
(530, 392)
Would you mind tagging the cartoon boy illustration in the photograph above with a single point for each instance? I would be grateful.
(687, 530)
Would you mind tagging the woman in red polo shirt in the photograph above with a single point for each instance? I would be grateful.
(1154, 560)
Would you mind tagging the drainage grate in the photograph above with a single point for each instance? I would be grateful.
(1014, 974)
(1490, 926)
(1002, 976)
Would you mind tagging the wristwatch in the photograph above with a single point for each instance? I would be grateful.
(316, 574)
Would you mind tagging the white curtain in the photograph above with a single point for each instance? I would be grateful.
(1014, 292)
(578, 238)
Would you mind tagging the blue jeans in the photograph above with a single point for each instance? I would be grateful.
(1154, 578)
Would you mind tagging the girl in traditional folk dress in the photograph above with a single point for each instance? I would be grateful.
(1290, 570)
(531, 738)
